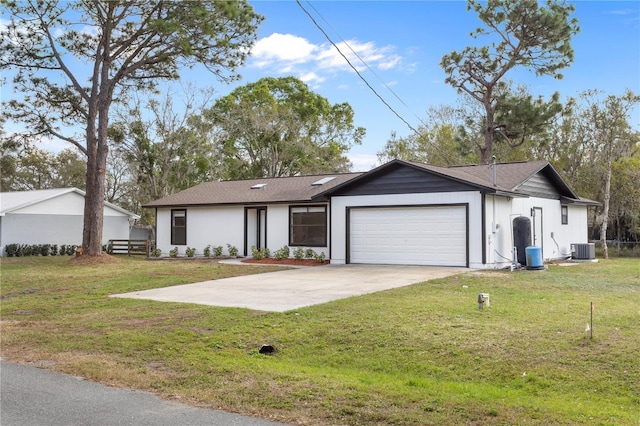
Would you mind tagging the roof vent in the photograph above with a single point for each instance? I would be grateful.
(323, 181)
(259, 186)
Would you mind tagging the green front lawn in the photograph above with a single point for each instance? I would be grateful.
(417, 355)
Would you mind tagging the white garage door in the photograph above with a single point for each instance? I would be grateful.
(409, 235)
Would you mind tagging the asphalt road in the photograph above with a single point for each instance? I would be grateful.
(31, 396)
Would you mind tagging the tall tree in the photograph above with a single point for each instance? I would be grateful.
(167, 147)
(440, 140)
(625, 197)
(73, 60)
(526, 35)
(278, 127)
(613, 138)
(453, 135)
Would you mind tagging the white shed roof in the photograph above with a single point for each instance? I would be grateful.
(12, 201)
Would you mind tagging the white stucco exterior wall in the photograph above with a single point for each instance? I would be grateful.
(215, 226)
(222, 225)
(339, 205)
(500, 239)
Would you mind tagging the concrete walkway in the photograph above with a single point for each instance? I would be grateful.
(295, 288)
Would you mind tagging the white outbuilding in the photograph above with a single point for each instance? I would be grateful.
(54, 216)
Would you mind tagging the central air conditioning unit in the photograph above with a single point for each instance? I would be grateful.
(584, 251)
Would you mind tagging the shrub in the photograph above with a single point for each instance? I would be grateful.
(54, 250)
(156, 252)
(217, 251)
(309, 254)
(259, 254)
(282, 253)
(44, 249)
(63, 249)
(256, 254)
(190, 252)
(320, 258)
(71, 249)
(298, 254)
(173, 252)
(233, 250)
(207, 251)
(11, 250)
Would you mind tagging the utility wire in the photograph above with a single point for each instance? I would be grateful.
(354, 68)
(364, 63)
(436, 152)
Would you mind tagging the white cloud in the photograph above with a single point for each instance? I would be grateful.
(311, 77)
(390, 63)
(623, 12)
(288, 53)
(282, 48)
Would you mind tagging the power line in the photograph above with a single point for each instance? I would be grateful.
(436, 152)
(354, 68)
(364, 62)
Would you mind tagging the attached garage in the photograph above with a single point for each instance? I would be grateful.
(409, 235)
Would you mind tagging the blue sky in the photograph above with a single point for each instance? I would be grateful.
(403, 42)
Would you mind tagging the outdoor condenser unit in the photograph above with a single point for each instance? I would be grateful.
(585, 251)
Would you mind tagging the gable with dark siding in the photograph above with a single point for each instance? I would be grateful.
(539, 186)
(403, 180)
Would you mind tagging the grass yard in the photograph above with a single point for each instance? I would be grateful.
(418, 355)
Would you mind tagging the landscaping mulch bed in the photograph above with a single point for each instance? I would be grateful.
(272, 261)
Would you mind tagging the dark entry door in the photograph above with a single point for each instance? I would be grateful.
(255, 225)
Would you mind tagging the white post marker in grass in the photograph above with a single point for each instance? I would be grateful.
(591, 328)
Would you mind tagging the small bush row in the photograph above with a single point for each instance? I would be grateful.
(20, 250)
(258, 254)
(285, 252)
(209, 251)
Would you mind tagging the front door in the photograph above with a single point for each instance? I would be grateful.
(255, 225)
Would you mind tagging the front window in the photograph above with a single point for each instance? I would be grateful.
(564, 214)
(178, 227)
(308, 226)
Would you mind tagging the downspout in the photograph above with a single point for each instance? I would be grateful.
(330, 235)
(155, 231)
(492, 238)
(483, 218)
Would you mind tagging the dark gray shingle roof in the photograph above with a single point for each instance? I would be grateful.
(508, 175)
(276, 190)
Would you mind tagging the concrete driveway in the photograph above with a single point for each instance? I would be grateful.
(296, 288)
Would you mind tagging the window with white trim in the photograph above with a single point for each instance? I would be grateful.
(564, 215)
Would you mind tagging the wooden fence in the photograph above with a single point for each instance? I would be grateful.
(130, 247)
